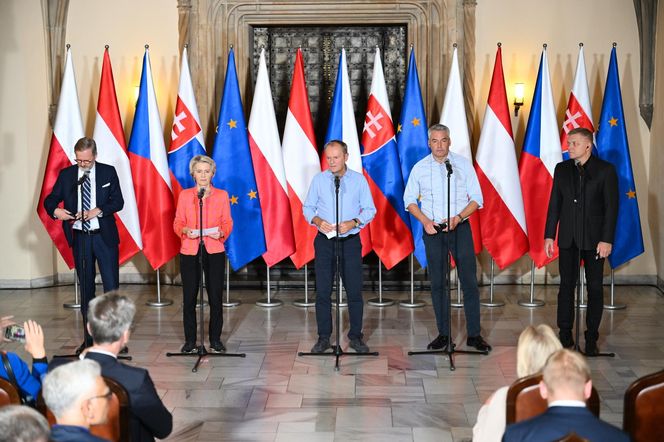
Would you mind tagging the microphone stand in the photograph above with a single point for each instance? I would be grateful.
(337, 351)
(582, 197)
(450, 348)
(201, 351)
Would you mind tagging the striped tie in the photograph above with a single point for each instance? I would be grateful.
(86, 196)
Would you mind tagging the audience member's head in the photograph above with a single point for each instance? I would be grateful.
(77, 394)
(536, 344)
(566, 376)
(19, 423)
(109, 319)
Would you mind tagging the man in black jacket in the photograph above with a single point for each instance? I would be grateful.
(583, 208)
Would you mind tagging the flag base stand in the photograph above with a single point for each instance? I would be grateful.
(76, 302)
(380, 302)
(230, 303)
(490, 302)
(267, 302)
(411, 304)
(531, 303)
(73, 305)
(613, 305)
(304, 302)
(158, 302)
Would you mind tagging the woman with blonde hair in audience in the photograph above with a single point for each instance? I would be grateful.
(536, 344)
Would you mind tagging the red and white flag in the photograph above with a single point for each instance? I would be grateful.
(579, 112)
(269, 169)
(454, 117)
(67, 130)
(152, 181)
(502, 217)
(301, 162)
(112, 149)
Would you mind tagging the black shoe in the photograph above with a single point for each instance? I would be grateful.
(359, 346)
(124, 350)
(566, 339)
(591, 348)
(320, 346)
(478, 342)
(189, 347)
(217, 347)
(439, 343)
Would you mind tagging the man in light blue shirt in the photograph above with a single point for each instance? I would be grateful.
(447, 233)
(356, 210)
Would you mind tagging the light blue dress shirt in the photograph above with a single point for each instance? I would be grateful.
(428, 183)
(355, 199)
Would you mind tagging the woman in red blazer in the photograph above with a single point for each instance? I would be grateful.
(217, 225)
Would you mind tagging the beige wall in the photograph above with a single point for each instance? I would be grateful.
(127, 25)
(656, 159)
(522, 28)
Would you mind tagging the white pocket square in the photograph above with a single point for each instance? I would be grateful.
(106, 185)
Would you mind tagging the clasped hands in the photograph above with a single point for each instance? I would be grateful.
(325, 227)
(85, 215)
(431, 227)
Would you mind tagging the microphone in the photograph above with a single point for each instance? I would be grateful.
(336, 181)
(201, 192)
(580, 168)
(448, 165)
(82, 179)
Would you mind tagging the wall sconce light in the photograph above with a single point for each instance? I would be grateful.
(518, 97)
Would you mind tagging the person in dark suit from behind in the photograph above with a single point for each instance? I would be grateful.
(89, 225)
(565, 385)
(109, 321)
(583, 209)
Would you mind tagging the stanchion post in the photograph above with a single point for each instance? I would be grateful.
(490, 301)
(158, 302)
(380, 302)
(269, 302)
(411, 303)
(613, 305)
(532, 302)
(234, 302)
(306, 302)
(76, 302)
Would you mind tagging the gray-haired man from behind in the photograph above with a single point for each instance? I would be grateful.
(20, 423)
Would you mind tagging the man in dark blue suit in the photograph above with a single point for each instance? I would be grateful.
(85, 198)
(566, 385)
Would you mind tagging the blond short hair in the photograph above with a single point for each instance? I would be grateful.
(536, 344)
(202, 159)
(566, 369)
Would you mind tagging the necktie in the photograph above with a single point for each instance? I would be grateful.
(86, 196)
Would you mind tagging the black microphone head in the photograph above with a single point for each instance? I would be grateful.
(83, 177)
(448, 165)
(201, 192)
(580, 168)
(337, 179)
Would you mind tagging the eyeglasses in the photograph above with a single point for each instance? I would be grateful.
(106, 396)
(84, 162)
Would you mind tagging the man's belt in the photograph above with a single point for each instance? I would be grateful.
(341, 238)
(88, 232)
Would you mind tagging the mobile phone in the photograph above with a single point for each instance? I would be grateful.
(15, 333)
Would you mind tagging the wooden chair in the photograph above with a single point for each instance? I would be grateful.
(644, 408)
(524, 401)
(116, 427)
(8, 393)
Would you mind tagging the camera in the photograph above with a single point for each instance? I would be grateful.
(15, 333)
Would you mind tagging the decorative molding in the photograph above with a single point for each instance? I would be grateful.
(646, 19)
(54, 16)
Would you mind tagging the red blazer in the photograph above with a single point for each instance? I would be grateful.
(216, 213)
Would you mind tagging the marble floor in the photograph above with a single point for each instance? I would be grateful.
(275, 395)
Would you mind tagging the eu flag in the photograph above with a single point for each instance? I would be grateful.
(413, 142)
(612, 146)
(235, 174)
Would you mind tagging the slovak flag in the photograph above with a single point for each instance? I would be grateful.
(391, 237)
(502, 217)
(538, 160)
(269, 169)
(579, 112)
(342, 126)
(67, 130)
(301, 162)
(186, 134)
(112, 149)
(152, 182)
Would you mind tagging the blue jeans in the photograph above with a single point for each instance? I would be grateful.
(461, 247)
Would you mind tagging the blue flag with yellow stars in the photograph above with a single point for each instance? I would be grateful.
(413, 143)
(235, 174)
(612, 146)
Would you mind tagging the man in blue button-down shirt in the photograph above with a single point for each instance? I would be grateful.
(356, 209)
(428, 184)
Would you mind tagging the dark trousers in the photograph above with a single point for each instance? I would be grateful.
(90, 251)
(350, 251)
(214, 266)
(461, 247)
(568, 264)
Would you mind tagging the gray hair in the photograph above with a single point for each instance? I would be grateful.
(19, 423)
(202, 159)
(65, 386)
(109, 316)
(344, 146)
(438, 128)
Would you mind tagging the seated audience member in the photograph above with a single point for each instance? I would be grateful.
(16, 371)
(535, 345)
(78, 397)
(19, 423)
(109, 321)
(566, 385)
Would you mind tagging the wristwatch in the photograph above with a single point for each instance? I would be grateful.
(357, 222)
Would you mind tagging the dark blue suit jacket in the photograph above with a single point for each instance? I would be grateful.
(557, 422)
(108, 196)
(72, 433)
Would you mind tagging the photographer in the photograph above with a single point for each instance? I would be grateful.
(16, 371)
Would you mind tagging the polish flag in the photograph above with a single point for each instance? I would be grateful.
(152, 181)
(67, 130)
(301, 162)
(112, 149)
(502, 218)
(579, 112)
(538, 160)
(454, 117)
(269, 169)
